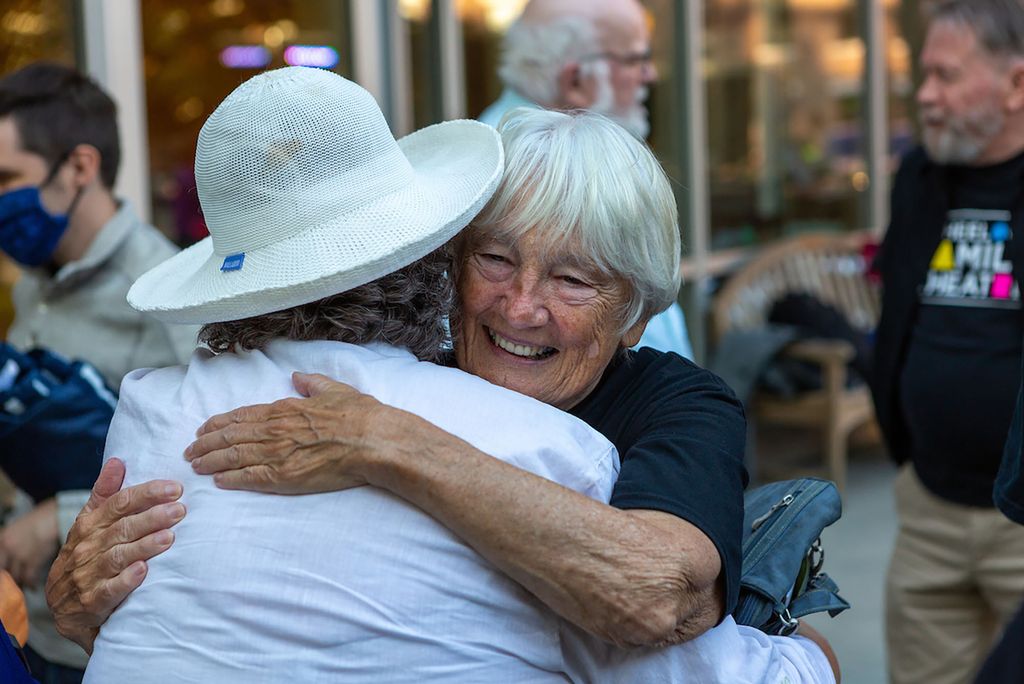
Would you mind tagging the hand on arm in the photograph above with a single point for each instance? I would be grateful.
(628, 577)
(104, 558)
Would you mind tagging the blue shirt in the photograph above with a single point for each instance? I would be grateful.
(667, 332)
(508, 101)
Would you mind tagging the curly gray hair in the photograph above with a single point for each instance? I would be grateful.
(406, 308)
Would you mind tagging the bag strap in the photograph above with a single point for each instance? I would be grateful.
(822, 595)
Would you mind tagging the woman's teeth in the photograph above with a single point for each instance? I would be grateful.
(523, 350)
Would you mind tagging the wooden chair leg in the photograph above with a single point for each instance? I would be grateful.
(836, 455)
(835, 432)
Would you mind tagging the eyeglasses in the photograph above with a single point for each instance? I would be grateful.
(632, 59)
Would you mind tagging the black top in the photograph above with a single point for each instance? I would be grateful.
(918, 272)
(680, 433)
(959, 377)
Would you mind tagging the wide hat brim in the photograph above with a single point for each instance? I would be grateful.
(457, 166)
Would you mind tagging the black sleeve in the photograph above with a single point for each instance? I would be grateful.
(686, 459)
(883, 261)
(900, 196)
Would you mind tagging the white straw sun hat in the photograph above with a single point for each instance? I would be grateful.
(307, 194)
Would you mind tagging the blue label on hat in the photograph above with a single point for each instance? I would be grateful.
(233, 262)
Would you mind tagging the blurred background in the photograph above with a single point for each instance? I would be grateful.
(775, 118)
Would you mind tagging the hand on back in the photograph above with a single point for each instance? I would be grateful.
(321, 443)
(104, 558)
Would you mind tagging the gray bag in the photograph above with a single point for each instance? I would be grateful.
(781, 579)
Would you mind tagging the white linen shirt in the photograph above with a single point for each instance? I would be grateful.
(351, 586)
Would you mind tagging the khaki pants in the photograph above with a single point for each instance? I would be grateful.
(956, 577)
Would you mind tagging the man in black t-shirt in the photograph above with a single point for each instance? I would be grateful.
(949, 344)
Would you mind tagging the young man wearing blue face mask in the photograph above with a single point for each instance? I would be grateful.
(80, 249)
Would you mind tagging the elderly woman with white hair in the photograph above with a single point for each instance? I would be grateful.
(556, 277)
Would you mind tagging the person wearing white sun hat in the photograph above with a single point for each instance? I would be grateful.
(115, 535)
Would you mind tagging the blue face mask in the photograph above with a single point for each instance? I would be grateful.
(28, 232)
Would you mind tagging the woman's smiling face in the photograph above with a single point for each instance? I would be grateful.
(537, 321)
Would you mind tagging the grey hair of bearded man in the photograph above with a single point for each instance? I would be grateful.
(587, 185)
(997, 24)
(533, 54)
(406, 308)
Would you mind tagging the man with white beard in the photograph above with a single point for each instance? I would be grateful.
(578, 54)
(594, 55)
(949, 344)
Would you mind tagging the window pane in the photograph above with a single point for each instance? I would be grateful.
(197, 53)
(424, 61)
(904, 29)
(32, 30)
(663, 102)
(484, 23)
(786, 138)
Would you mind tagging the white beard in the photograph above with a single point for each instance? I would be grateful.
(960, 140)
(633, 118)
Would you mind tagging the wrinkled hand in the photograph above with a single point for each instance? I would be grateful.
(292, 446)
(29, 543)
(104, 558)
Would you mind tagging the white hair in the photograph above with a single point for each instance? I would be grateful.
(583, 180)
(634, 117)
(534, 54)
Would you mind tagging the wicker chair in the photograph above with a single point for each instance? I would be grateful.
(831, 268)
